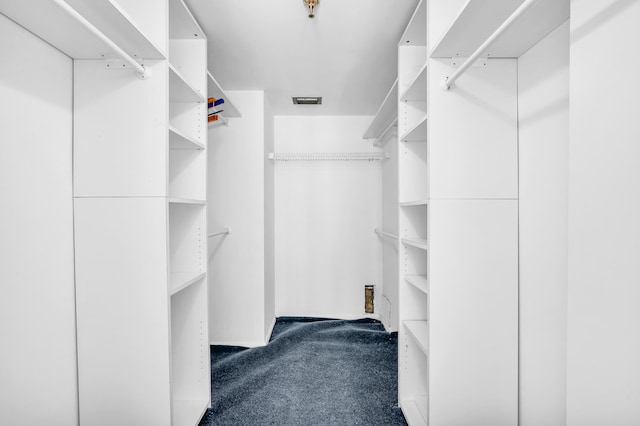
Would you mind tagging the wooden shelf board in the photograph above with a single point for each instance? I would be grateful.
(180, 280)
(418, 133)
(419, 281)
(419, 331)
(420, 243)
(413, 413)
(178, 140)
(417, 89)
(415, 33)
(65, 33)
(182, 24)
(188, 412)
(180, 90)
(479, 19)
(214, 90)
(177, 200)
(386, 114)
(414, 203)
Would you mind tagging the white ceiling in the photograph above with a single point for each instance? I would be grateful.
(347, 54)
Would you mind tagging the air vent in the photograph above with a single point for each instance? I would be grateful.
(307, 100)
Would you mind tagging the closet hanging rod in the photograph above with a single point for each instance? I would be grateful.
(223, 232)
(385, 234)
(447, 82)
(328, 156)
(141, 71)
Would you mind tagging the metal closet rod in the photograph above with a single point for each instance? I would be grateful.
(225, 231)
(141, 71)
(447, 82)
(385, 234)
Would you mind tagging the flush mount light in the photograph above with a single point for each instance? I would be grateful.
(307, 100)
(311, 4)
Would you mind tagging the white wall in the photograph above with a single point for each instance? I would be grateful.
(38, 380)
(543, 105)
(236, 199)
(603, 381)
(325, 215)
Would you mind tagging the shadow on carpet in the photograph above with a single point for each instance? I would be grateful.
(312, 372)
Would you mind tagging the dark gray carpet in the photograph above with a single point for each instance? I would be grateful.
(312, 372)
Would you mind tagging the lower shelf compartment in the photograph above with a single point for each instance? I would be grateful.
(416, 410)
(419, 331)
(188, 412)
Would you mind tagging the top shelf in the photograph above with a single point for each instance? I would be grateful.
(415, 33)
(214, 90)
(65, 33)
(182, 24)
(386, 115)
(480, 18)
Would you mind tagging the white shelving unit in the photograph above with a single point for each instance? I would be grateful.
(413, 183)
(139, 206)
(215, 91)
(384, 125)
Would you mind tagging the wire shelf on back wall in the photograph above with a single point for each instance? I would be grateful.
(328, 156)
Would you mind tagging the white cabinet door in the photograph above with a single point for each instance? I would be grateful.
(474, 312)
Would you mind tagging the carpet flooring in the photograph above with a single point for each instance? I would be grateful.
(312, 372)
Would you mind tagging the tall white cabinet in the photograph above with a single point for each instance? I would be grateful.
(139, 197)
(140, 231)
(458, 211)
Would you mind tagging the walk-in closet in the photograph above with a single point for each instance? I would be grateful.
(319, 212)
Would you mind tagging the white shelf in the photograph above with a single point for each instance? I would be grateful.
(479, 19)
(188, 412)
(415, 410)
(180, 90)
(385, 117)
(214, 90)
(176, 200)
(415, 33)
(182, 24)
(417, 89)
(419, 281)
(390, 133)
(65, 33)
(414, 203)
(420, 243)
(178, 140)
(419, 331)
(180, 280)
(417, 133)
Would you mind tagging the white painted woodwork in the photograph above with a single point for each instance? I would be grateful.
(386, 115)
(65, 33)
(37, 306)
(419, 331)
(473, 132)
(120, 131)
(419, 281)
(187, 238)
(122, 310)
(214, 90)
(390, 274)
(603, 378)
(188, 58)
(190, 374)
(187, 174)
(474, 315)
(417, 87)
(179, 140)
(236, 195)
(416, 410)
(543, 110)
(477, 20)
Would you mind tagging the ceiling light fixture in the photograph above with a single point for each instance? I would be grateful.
(311, 4)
